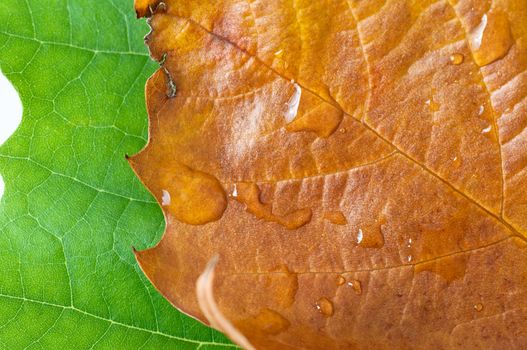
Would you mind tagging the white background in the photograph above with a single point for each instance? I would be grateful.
(10, 114)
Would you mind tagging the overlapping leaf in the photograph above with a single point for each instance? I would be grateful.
(72, 208)
(357, 166)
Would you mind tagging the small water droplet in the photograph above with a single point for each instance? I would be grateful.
(279, 53)
(356, 285)
(340, 280)
(165, 199)
(432, 105)
(409, 258)
(456, 161)
(294, 102)
(335, 217)
(342, 130)
(481, 110)
(324, 306)
(409, 245)
(457, 58)
(478, 307)
(234, 192)
(359, 236)
(487, 129)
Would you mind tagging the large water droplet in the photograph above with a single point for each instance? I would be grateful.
(269, 321)
(449, 268)
(11, 109)
(249, 194)
(492, 38)
(324, 306)
(323, 119)
(192, 196)
(371, 236)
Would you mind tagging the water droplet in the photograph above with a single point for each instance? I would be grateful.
(449, 268)
(340, 280)
(477, 33)
(323, 119)
(456, 161)
(432, 105)
(409, 245)
(457, 58)
(249, 194)
(234, 192)
(192, 196)
(487, 129)
(492, 38)
(478, 307)
(356, 285)
(269, 321)
(335, 217)
(279, 53)
(481, 110)
(342, 130)
(294, 102)
(409, 258)
(282, 286)
(165, 198)
(359, 236)
(324, 306)
(371, 236)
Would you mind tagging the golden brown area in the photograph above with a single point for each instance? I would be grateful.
(360, 168)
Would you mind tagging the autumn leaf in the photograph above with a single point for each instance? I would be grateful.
(356, 169)
(72, 208)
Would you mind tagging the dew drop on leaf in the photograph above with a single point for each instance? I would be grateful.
(249, 194)
(335, 217)
(457, 58)
(356, 286)
(294, 102)
(340, 280)
(491, 39)
(324, 306)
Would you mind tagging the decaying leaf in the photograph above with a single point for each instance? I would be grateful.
(359, 167)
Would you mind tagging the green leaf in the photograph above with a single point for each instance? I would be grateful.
(72, 208)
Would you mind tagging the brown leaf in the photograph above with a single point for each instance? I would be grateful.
(359, 167)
